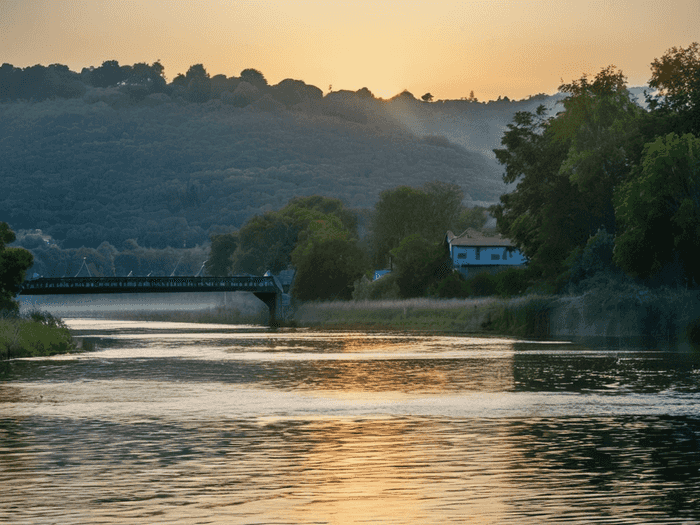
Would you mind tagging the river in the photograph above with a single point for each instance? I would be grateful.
(184, 423)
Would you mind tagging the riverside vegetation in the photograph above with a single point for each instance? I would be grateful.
(36, 334)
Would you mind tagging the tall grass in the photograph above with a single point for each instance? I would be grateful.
(485, 314)
(34, 334)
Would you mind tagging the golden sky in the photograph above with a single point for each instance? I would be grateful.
(511, 48)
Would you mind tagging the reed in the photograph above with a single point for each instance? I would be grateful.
(424, 314)
(35, 334)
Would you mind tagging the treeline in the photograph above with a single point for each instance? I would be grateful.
(607, 189)
(318, 237)
(167, 171)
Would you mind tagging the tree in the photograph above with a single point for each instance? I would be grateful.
(265, 243)
(658, 212)
(427, 97)
(532, 215)
(403, 211)
(567, 168)
(254, 77)
(328, 262)
(14, 263)
(474, 218)
(676, 77)
(108, 74)
(601, 125)
(420, 264)
(198, 84)
(222, 248)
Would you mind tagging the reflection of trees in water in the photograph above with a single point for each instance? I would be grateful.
(647, 464)
(573, 369)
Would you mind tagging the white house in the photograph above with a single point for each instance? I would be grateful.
(473, 252)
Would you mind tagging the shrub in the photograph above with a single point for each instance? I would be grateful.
(383, 288)
(483, 284)
(512, 281)
(451, 287)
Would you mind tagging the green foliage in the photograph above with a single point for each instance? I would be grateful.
(451, 287)
(659, 211)
(525, 317)
(419, 265)
(222, 248)
(567, 168)
(474, 218)
(265, 243)
(483, 284)
(37, 334)
(512, 282)
(327, 261)
(14, 263)
(383, 288)
(676, 77)
(405, 211)
(595, 257)
(532, 215)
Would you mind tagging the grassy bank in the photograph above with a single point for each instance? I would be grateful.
(617, 310)
(34, 334)
(522, 316)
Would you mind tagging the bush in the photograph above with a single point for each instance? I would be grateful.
(513, 281)
(37, 334)
(451, 287)
(383, 288)
(483, 284)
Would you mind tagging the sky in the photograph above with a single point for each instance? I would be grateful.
(448, 48)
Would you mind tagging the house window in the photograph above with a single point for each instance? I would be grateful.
(478, 253)
(462, 255)
(495, 257)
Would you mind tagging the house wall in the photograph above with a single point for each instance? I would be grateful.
(486, 256)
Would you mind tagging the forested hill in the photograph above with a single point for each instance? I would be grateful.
(167, 170)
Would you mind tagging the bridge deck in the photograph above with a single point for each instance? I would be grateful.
(95, 285)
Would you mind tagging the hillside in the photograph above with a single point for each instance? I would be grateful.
(92, 164)
(167, 172)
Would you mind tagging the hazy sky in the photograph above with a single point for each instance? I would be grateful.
(447, 47)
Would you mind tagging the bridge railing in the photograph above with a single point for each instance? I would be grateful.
(148, 284)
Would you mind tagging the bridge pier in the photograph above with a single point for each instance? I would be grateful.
(273, 303)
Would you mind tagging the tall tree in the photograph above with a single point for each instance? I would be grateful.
(676, 77)
(659, 212)
(198, 84)
(328, 261)
(404, 211)
(14, 263)
(567, 168)
(222, 248)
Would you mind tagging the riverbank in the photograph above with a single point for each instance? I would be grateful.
(668, 315)
(522, 316)
(35, 334)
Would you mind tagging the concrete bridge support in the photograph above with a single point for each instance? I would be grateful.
(273, 301)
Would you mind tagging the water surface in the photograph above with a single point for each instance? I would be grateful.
(180, 423)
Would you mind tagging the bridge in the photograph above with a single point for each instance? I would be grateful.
(267, 288)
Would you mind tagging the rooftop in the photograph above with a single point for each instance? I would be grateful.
(474, 238)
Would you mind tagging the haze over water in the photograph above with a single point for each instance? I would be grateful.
(177, 423)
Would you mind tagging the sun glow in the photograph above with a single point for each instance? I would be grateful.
(447, 48)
